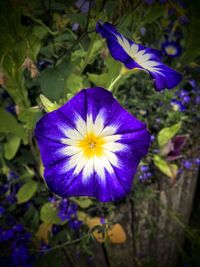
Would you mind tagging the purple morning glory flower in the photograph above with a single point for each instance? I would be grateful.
(91, 146)
(171, 48)
(134, 55)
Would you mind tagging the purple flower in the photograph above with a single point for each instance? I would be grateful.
(171, 48)
(75, 224)
(6, 234)
(91, 146)
(134, 55)
(177, 105)
(187, 164)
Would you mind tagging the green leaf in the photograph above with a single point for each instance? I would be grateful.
(98, 79)
(165, 167)
(8, 124)
(83, 202)
(74, 83)
(30, 116)
(26, 192)
(153, 14)
(47, 104)
(167, 133)
(49, 214)
(11, 146)
(52, 83)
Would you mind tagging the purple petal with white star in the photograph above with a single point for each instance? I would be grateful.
(91, 146)
(134, 55)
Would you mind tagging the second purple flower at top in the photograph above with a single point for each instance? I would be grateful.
(134, 55)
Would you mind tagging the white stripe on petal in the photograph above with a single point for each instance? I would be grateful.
(99, 123)
(133, 50)
(90, 125)
(112, 138)
(70, 142)
(81, 125)
(115, 147)
(112, 157)
(109, 130)
(88, 169)
(71, 133)
(69, 150)
(124, 43)
(99, 168)
(80, 163)
(74, 161)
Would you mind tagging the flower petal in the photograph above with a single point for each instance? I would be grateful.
(134, 55)
(120, 139)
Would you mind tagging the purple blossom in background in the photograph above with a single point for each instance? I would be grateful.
(134, 55)
(68, 211)
(187, 164)
(171, 48)
(177, 105)
(145, 173)
(91, 146)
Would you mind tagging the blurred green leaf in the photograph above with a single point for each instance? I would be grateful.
(8, 124)
(11, 146)
(74, 83)
(30, 116)
(165, 167)
(98, 79)
(153, 13)
(167, 133)
(52, 83)
(49, 214)
(83, 202)
(26, 192)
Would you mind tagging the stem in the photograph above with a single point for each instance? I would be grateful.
(67, 243)
(114, 82)
(87, 57)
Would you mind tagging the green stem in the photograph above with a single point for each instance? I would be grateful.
(110, 88)
(87, 57)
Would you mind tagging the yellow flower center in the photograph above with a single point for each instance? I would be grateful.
(92, 145)
(170, 50)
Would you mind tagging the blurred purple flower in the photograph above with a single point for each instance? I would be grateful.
(187, 164)
(177, 105)
(171, 48)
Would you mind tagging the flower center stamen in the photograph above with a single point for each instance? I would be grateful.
(92, 145)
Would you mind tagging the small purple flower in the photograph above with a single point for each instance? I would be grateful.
(6, 235)
(197, 161)
(187, 164)
(144, 168)
(134, 55)
(91, 146)
(186, 99)
(177, 105)
(171, 48)
(75, 224)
